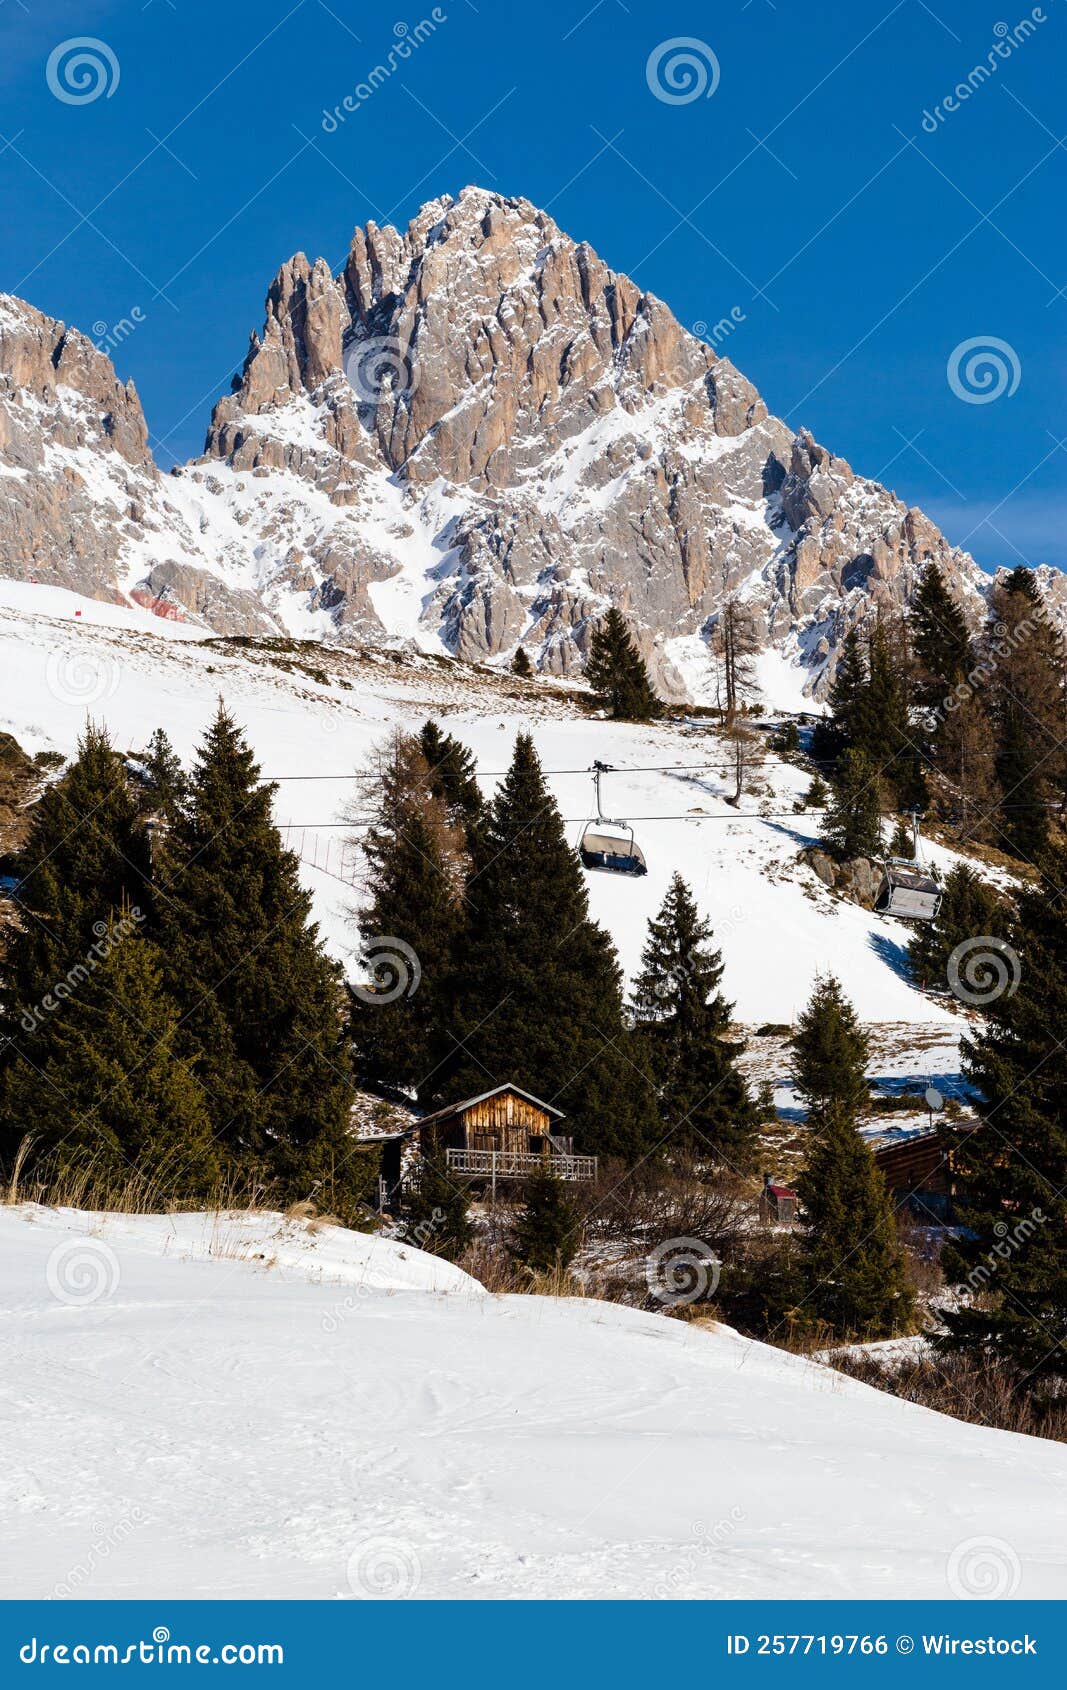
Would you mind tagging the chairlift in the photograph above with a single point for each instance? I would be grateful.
(910, 889)
(608, 843)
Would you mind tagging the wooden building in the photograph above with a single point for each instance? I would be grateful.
(777, 1204)
(920, 1169)
(505, 1133)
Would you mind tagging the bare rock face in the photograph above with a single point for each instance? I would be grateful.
(84, 505)
(476, 435)
(858, 879)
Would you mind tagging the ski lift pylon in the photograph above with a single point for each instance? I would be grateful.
(910, 890)
(608, 843)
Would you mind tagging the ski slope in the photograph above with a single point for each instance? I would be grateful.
(185, 1421)
(776, 924)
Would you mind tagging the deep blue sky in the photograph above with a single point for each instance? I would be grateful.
(879, 247)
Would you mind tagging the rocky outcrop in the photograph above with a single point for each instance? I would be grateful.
(858, 879)
(476, 435)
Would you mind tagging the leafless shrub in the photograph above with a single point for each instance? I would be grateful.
(983, 1392)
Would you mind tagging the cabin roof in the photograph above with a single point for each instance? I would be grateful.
(781, 1191)
(469, 1102)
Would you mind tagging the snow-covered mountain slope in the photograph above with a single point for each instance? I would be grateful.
(313, 717)
(476, 435)
(220, 1427)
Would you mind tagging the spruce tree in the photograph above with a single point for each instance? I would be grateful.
(830, 1050)
(1008, 1261)
(617, 674)
(538, 989)
(85, 855)
(888, 736)
(856, 1278)
(683, 1021)
(408, 929)
(520, 663)
(437, 1217)
(261, 1003)
(545, 1235)
(166, 785)
(451, 776)
(855, 1274)
(969, 909)
(852, 826)
(1027, 701)
(941, 640)
(849, 725)
(111, 1093)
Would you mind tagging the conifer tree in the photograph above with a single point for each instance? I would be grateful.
(437, 1217)
(855, 1274)
(166, 783)
(538, 990)
(941, 640)
(857, 1282)
(830, 1050)
(1008, 1261)
(969, 909)
(546, 1233)
(520, 663)
(734, 643)
(85, 854)
(849, 725)
(683, 1022)
(408, 926)
(964, 753)
(111, 1092)
(1027, 701)
(451, 776)
(617, 674)
(888, 737)
(261, 1003)
(853, 823)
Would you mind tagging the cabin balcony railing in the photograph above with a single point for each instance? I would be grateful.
(518, 1164)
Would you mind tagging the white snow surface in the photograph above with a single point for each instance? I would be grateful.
(211, 1426)
(777, 926)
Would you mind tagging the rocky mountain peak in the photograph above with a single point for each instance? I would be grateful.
(479, 434)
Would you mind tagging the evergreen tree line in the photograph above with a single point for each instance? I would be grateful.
(927, 715)
(1006, 1262)
(166, 1007)
(518, 983)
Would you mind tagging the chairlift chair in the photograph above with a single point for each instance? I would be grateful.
(910, 890)
(608, 843)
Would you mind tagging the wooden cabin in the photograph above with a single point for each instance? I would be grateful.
(505, 1133)
(920, 1169)
(777, 1204)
